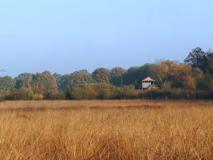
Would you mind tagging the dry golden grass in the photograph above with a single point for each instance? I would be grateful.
(106, 130)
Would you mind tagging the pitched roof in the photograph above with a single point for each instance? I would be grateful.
(148, 79)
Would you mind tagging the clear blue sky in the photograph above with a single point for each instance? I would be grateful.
(67, 35)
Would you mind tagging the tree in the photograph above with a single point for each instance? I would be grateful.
(197, 58)
(60, 82)
(210, 61)
(161, 72)
(204, 61)
(23, 80)
(117, 76)
(21, 94)
(77, 78)
(7, 84)
(83, 91)
(134, 75)
(131, 76)
(147, 70)
(81, 77)
(200, 79)
(44, 83)
(181, 76)
(101, 75)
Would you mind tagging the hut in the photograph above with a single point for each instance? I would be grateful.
(148, 83)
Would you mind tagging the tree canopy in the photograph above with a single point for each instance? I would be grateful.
(192, 78)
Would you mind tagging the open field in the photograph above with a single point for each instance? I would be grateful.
(106, 130)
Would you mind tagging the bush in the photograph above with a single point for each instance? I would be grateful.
(92, 91)
(169, 94)
(59, 95)
(202, 84)
(21, 94)
(82, 92)
(128, 92)
(38, 96)
(106, 91)
(55, 96)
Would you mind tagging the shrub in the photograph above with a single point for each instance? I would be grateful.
(92, 91)
(168, 94)
(21, 94)
(128, 92)
(38, 96)
(82, 92)
(106, 91)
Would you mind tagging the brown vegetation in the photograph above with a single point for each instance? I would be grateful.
(106, 130)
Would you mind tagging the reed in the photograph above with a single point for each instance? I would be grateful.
(106, 130)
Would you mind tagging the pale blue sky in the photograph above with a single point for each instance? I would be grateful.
(67, 35)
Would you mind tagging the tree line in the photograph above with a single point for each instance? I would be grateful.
(192, 79)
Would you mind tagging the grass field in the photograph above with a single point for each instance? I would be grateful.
(106, 130)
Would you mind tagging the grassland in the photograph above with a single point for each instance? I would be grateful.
(106, 130)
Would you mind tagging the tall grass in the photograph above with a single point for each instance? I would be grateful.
(121, 130)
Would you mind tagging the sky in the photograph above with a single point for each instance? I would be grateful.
(67, 35)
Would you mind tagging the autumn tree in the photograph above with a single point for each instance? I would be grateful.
(180, 76)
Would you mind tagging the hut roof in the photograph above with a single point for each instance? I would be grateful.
(149, 79)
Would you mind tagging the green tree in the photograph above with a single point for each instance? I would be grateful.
(117, 76)
(83, 91)
(132, 76)
(7, 84)
(101, 75)
(23, 80)
(59, 80)
(77, 78)
(21, 94)
(210, 62)
(197, 58)
(44, 83)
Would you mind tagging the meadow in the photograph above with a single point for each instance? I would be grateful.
(106, 130)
